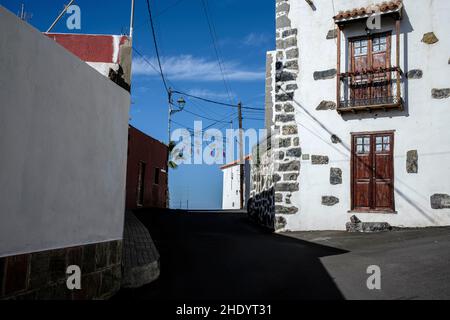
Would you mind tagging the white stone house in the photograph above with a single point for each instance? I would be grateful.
(362, 112)
(231, 196)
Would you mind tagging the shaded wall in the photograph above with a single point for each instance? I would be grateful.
(63, 142)
(142, 148)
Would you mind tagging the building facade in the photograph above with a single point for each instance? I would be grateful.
(147, 179)
(359, 101)
(63, 144)
(110, 55)
(231, 197)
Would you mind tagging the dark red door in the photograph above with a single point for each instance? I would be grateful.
(373, 172)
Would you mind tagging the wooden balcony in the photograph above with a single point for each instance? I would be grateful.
(370, 90)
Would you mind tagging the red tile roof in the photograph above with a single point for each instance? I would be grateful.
(384, 7)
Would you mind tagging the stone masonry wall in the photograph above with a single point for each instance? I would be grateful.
(261, 206)
(42, 275)
(287, 150)
(276, 173)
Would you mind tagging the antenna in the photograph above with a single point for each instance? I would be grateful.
(132, 19)
(23, 15)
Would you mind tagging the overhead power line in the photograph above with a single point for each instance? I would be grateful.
(215, 102)
(228, 117)
(206, 118)
(212, 31)
(256, 119)
(60, 16)
(155, 42)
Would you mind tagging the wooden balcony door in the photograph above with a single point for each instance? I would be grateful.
(373, 172)
(369, 54)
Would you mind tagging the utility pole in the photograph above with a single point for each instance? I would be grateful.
(169, 94)
(181, 103)
(241, 155)
(170, 114)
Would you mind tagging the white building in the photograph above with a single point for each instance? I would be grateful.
(362, 112)
(232, 185)
(63, 146)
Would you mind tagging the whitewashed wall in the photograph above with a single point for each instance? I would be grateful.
(63, 142)
(423, 126)
(231, 199)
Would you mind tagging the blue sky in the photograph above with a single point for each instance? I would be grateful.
(245, 31)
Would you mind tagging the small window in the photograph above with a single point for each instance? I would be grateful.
(363, 145)
(379, 44)
(361, 47)
(157, 171)
(383, 144)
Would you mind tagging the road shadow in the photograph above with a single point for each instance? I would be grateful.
(224, 256)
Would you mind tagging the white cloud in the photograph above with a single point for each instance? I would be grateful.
(187, 67)
(208, 94)
(256, 39)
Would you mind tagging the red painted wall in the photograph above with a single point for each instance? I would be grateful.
(90, 48)
(142, 148)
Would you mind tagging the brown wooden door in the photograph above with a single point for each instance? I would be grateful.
(373, 172)
(360, 63)
(369, 55)
(380, 59)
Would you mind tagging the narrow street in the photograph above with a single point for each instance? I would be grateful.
(219, 256)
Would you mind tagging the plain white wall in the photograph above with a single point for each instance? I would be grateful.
(63, 146)
(424, 127)
(231, 199)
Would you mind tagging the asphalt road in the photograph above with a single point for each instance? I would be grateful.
(223, 256)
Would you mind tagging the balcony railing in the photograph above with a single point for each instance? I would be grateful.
(370, 89)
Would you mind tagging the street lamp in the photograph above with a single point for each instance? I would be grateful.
(181, 103)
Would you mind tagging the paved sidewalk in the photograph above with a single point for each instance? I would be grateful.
(140, 256)
(415, 263)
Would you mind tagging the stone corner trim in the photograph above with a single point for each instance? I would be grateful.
(284, 210)
(335, 176)
(325, 75)
(326, 105)
(332, 34)
(329, 201)
(440, 93)
(414, 74)
(412, 161)
(320, 160)
(280, 223)
(368, 227)
(430, 38)
(283, 22)
(440, 201)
